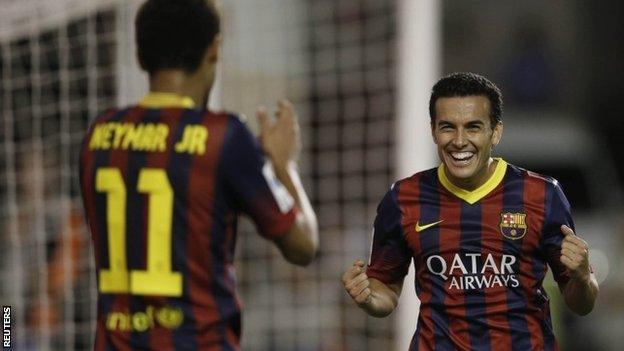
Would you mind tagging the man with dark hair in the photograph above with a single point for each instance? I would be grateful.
(163, 183)
(481, 233)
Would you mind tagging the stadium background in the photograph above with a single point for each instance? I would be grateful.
(359, 73)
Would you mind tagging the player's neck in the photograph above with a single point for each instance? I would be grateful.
(177, 82)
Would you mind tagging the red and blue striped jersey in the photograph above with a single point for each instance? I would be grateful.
(480, 257)
(163, 184)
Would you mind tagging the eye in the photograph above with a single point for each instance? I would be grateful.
(445, 127)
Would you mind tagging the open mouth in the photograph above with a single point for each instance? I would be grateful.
(462, 158)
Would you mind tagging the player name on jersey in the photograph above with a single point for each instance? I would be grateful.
(150, 137)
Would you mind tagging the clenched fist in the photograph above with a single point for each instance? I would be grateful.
(356, 283)
(575, 254)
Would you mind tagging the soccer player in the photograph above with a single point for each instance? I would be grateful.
(163, 183)
(481, 233)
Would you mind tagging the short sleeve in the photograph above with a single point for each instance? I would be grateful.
(255, 188)
(390, 256)
(557, 213)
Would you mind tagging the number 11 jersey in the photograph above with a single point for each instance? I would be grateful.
(163, 184)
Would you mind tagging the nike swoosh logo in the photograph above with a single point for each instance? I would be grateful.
(420, 228)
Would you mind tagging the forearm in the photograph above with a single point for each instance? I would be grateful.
(580, 294)
(288, 175)
(300, 244)
(384, 298)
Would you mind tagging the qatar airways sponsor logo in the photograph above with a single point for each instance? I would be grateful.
(475, 271)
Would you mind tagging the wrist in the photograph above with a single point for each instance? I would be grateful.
(582, 277)
(283, 166)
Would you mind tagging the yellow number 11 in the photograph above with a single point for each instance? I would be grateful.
(158, 279)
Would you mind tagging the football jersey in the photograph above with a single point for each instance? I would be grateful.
(163, 184)
(480, 256)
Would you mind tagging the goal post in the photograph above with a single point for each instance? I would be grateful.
(419, 43)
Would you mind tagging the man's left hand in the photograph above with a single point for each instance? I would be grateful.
(575, 254)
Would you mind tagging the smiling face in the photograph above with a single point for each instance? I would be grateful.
(464, 137)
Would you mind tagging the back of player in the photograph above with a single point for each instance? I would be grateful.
(163, 183)
(162, 190)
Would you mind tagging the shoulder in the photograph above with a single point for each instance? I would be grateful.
(109, 114)
(407, 190)
(236, 125)
(539, 186)
(534, 178)
(413, 183)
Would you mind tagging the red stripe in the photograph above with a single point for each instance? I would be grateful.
(200, 199)
(450, 234)
(534, 193)
(232, 336)
(492, 243)
(100, 335)
(120, 340)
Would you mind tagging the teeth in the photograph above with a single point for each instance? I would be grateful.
(461, 155)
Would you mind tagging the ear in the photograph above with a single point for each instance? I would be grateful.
(140, 61)
(212, 52)
(497, 134)
(433, 134)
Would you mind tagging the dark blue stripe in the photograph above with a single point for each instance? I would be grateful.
(539, 265)
(513, 201)
(429, 199)
(179, 171)
(414, 344)
(221, 255)
(470, 243)
(136, 237)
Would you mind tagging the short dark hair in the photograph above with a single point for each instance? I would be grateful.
(468, 84)
(175, 33)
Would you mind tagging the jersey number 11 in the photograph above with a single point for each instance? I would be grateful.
(158, 279)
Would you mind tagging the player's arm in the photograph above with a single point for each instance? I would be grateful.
(377, 287)
(373, 296)
(581, 290)
(280, 141)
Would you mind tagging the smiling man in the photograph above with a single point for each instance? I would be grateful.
(481, 233)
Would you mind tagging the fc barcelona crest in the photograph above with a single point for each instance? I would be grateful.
(513, 225)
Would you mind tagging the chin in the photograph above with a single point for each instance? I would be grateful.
(461, 174)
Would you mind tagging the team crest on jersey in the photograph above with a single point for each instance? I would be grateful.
(513, 225)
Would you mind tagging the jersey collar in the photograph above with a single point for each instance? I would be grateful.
(164, 100)
(472, 196)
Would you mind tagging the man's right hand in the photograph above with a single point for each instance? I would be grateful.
(356, 283)
(280, 138)
(281, 143)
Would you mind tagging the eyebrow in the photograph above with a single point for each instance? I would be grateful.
(475, 122)
(469, 123)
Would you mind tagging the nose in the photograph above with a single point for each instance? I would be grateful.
(459, 139)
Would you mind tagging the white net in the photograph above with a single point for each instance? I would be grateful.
(334, 59)
(56, 73)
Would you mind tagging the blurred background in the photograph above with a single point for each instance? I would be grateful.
(359, 73)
